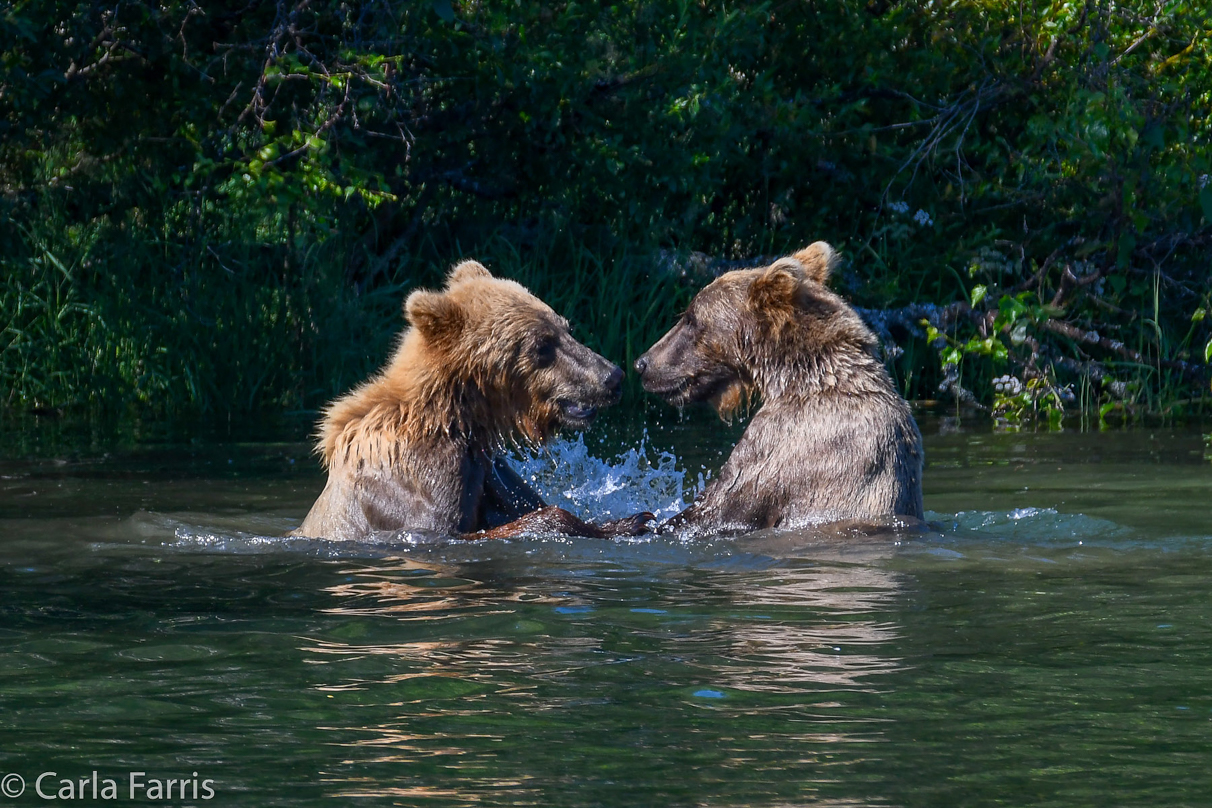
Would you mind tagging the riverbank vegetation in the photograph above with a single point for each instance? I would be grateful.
(218, 208)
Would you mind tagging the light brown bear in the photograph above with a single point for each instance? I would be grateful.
(832, 439)
(416, 447)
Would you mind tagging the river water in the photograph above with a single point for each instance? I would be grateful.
(1048, 642)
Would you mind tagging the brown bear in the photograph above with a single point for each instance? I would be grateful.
(832, 439)
(416, 447)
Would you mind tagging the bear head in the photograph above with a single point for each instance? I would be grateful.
(752, 331)
(506, 357)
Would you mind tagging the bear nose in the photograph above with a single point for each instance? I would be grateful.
(614, 382)
(641, 365)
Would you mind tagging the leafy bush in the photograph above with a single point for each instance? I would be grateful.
(219, 207)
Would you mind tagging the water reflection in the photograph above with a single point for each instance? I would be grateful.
(464, 662)
(841, 648)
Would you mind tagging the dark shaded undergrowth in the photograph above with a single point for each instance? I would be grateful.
(218, 209)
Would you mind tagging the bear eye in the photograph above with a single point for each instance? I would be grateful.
(545, 352)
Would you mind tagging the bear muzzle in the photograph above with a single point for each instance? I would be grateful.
(579, 412)
(655, 381)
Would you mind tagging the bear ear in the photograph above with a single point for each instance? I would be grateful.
(465, 272)
(776, 288)
(434, 314)
(818, 261)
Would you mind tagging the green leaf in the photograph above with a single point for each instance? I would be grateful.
(978, 294)
(1205, 201)
(1208, 352)
(1127, 243)
(444, 10)
(1018, 335)
(1009, 309)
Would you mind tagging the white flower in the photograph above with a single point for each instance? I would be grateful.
(1009, 385)
(923, 218)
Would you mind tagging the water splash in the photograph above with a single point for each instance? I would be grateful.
(377, 545)
(567, 474)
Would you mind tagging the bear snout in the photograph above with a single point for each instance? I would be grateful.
(614, 381)
(654, 375)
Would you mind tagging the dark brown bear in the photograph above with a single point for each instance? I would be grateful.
(416, 447)
(832, 440)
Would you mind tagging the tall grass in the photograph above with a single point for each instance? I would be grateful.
(96, 325)
(617, 302)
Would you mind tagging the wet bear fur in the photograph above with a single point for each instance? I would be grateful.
(832, 439)
(417, 446)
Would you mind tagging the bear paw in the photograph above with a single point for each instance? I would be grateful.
(636, 525)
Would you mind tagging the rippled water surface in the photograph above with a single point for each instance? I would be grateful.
(1050, 643)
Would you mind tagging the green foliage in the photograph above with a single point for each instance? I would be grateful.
(264, 331)
(220, 206)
